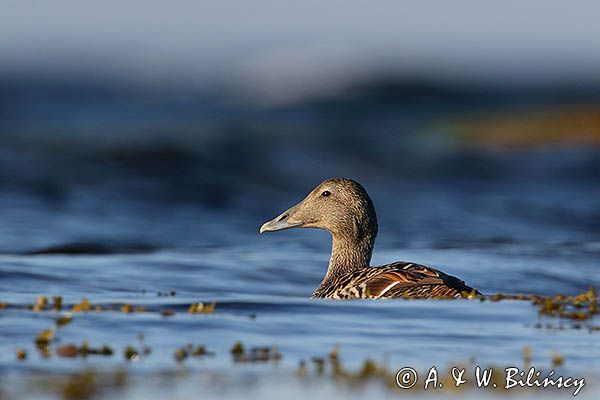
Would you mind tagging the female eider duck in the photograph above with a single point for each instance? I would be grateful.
(343, 207)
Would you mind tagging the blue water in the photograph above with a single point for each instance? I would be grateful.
(262, 284)
(152, 209)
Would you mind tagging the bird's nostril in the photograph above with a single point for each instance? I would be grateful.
(284, 216)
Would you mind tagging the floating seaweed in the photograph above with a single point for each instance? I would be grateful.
(21, 354)
(85, 305)
(237, 348)
(64, 319)
(201, 351)
(527, 356)
(368, 371)
(167, 313)
(202, 308)
(319, 364)
(42, 342)
(40, 304)
(469, 295)
(67, 350)
(580, 307)
(302, 369)
(180, 354)
(255, 354)
(85, 384)
(127, 308)
(131, 354)
(57, 303)
(44, 337)
(190, 350)
(71, 350)
(557, 360)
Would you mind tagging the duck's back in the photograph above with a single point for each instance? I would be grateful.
(396, 280)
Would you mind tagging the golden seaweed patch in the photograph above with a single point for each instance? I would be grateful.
(85, 305)
(131, 354)
(202, 308)
(40, 303)
(21, 354)
(64, 319)
(45, 336)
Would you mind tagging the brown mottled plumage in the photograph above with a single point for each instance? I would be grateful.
(343, 207)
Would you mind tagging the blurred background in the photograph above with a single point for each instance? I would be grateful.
(137, 124)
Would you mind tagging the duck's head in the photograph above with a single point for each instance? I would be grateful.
(340, 206)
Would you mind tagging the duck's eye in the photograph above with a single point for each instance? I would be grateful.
(326, 193)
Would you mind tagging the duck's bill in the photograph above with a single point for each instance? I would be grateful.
(279, 223)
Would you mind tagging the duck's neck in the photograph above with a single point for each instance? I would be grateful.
(349, 253)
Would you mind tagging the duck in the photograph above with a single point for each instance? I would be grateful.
(343, 207)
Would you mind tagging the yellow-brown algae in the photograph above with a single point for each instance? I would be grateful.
(131, 354)
(320, 364)
(369, 369)
(21, 354)
(84, 350)
(202, 308)
(580, 307)
(42, 342)
(497, 297)
(57, 303)
(334, 354)
(45, 336)
(85, 305)
(40, 303)
(557, 360)
(167, 313)
(302, 370)
(67, 350)
(472, 295)
(527, 354)
(71, 350)
(126, 308)
(238, 348)
(199, 351)
(334, 360)
(44, 350)
(84, 385)
(106, 351)
(263, 354)
(256, 354)
(3, 306)
(582, 316)
(180, 354)
(64, 319)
